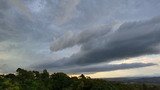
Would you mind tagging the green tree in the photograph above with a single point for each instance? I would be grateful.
(60, 81)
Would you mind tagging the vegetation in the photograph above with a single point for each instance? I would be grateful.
(34, 80)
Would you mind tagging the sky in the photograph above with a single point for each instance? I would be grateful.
(100, 38)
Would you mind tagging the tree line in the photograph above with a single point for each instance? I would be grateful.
(35, 80)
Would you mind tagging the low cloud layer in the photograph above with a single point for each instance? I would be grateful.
(131, 39)
(96, 68)
(108, 67)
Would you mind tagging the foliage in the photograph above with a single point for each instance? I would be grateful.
(34, 80)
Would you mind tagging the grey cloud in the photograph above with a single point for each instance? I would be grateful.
(4, 68)
(67, 8)
(29, 27)
(70, 38)
(57, 12)
(22, 41)
(97, 68)
(93, 12)
(16, 24)
(132, 39)
(21, 7)
(111, 11)
(19, 22)
(108, 67)
(9, 23)
(3, 5)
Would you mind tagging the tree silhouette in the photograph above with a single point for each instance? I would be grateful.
(34, 80)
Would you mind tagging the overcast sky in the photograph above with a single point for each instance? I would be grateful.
(101, 38)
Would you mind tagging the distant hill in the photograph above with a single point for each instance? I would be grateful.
(149, 80)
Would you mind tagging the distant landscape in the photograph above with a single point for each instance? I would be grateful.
(34, 80)
(146, 80)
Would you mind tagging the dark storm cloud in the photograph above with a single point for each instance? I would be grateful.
(97, 68)
(129, 40)
(108, 67)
